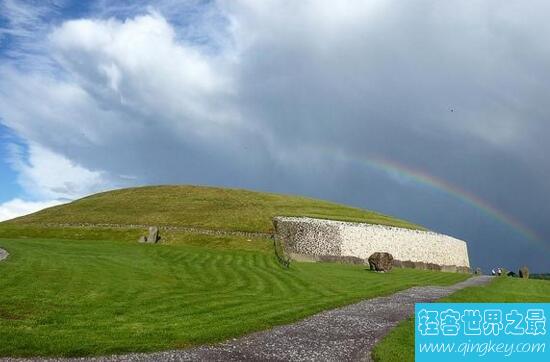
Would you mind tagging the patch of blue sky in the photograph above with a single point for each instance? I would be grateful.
(9, 188)
(196, 22)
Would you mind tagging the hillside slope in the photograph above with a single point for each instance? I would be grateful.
(199, 207)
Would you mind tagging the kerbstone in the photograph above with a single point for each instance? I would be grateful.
(381, 261)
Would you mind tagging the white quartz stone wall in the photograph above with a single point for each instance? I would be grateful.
(317, 237)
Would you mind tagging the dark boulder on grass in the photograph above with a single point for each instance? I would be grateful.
(524, 272)
(381, 262)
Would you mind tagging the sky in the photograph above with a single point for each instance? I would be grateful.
(432, 111)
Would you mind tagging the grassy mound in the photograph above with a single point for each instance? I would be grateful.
(75, 298)
(77, 282)
(398, 345)
(199, 207)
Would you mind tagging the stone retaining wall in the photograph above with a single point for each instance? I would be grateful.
(317, 239)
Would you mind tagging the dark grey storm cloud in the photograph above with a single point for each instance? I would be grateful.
(297, 97)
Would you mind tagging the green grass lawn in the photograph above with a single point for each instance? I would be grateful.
(200, 207)
(398, 345)
(75, 298)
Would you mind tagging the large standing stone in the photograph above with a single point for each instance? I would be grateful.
(3, 254)
(524, 272)
(153, 235)
(381, 261)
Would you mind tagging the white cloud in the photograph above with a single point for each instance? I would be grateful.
(146, 99)
(17, 207)
(129, 93)
(283, 95)
(47, 175)
(139, 65)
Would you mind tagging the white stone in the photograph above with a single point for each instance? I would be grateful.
(309, 236)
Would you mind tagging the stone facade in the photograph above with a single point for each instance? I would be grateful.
(316, 239)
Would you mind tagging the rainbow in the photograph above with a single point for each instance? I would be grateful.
(423, 178)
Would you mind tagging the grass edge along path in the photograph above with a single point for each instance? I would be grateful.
(398, 345)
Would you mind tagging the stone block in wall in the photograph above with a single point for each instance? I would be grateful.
(419, 265)
(397, 263)
(432, 266)
(449, 268)
(303, 258)
(340, 259)
(407, 264)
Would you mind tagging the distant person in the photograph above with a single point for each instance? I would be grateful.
(493, 272)
(499, 272)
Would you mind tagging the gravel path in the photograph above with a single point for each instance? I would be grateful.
(344, 334)
(3, 254)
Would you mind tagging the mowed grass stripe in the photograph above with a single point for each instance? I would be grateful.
(74, 298)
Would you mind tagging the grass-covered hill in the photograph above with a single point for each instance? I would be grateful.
(78, 283)
(199, 207)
